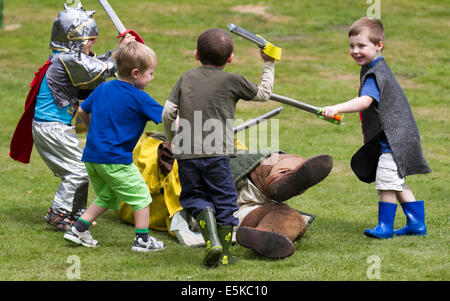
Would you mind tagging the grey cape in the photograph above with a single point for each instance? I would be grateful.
(392, 117)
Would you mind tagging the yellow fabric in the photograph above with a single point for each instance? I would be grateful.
(239, 145)
(165, 190)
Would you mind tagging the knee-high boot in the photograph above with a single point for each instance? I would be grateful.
(225, 237)
(271, 229)
(415, 219)
(208, 227)
(386, 217)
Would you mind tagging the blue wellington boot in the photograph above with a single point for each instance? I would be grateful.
(386, 217)
(415, 219)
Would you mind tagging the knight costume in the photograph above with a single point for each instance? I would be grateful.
(68, 76)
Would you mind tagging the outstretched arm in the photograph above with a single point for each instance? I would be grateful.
(357, 104)
(265, 86)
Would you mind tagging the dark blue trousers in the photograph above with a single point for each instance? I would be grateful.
(208, 182)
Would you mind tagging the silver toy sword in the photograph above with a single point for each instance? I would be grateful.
(257, 120)
(267, 47)
(305, 107)
(113, 16)
(117, 23)
(259, 41)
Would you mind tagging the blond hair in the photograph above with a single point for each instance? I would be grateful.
(133, 55)
(374, 27)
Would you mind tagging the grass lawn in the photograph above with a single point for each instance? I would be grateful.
(315, 68)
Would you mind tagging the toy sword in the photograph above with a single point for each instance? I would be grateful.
(306, 107)
(117, 23)
(267, 47)
(257, 120)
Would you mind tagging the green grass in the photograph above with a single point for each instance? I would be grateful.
(315, 68)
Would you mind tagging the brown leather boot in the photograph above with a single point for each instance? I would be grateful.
(271, 229)
(290, 175)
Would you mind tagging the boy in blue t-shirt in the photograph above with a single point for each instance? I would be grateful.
(117, 112)
(389, 130)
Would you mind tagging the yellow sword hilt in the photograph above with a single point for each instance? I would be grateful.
(266, 47)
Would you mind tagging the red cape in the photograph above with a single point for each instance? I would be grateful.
(22, 140)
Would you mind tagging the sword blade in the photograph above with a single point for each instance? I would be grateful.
(257, 120)
(294, 103)
(259, 41)
(113, 16)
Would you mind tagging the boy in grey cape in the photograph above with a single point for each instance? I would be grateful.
(392, 148)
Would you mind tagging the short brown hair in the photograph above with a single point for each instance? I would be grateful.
(133, 55)
(374, 27)
(214, 47)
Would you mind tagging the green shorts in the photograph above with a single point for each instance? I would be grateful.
(114, 183)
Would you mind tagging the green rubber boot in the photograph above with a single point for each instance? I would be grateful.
(207, 222)
(225, 236)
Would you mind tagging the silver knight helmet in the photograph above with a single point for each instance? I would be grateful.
(72, 28)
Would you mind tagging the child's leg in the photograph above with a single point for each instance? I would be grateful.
(79, 233)
(387, 183)
(105, 196)
(58, 147)
(127, 183)
(388, 196)
(143, 242)
(141, 222)
(193, 197)
(415, 214)
(92, 213)
(142, 218)
(221, 190)
(405, 196)
(208, 226)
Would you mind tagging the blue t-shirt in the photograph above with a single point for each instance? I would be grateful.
(46, 108)
(119, 113)
(370, 88)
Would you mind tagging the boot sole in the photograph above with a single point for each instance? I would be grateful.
(212, 258)
(420, 233)
(368, 234)
(143, 250)
(313, 171)
(269, 244)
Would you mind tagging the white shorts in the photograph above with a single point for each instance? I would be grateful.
(387, 177)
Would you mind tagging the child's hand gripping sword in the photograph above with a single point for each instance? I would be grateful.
(306, 107)
(275, 53)
(267, 47)
(117, 23)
